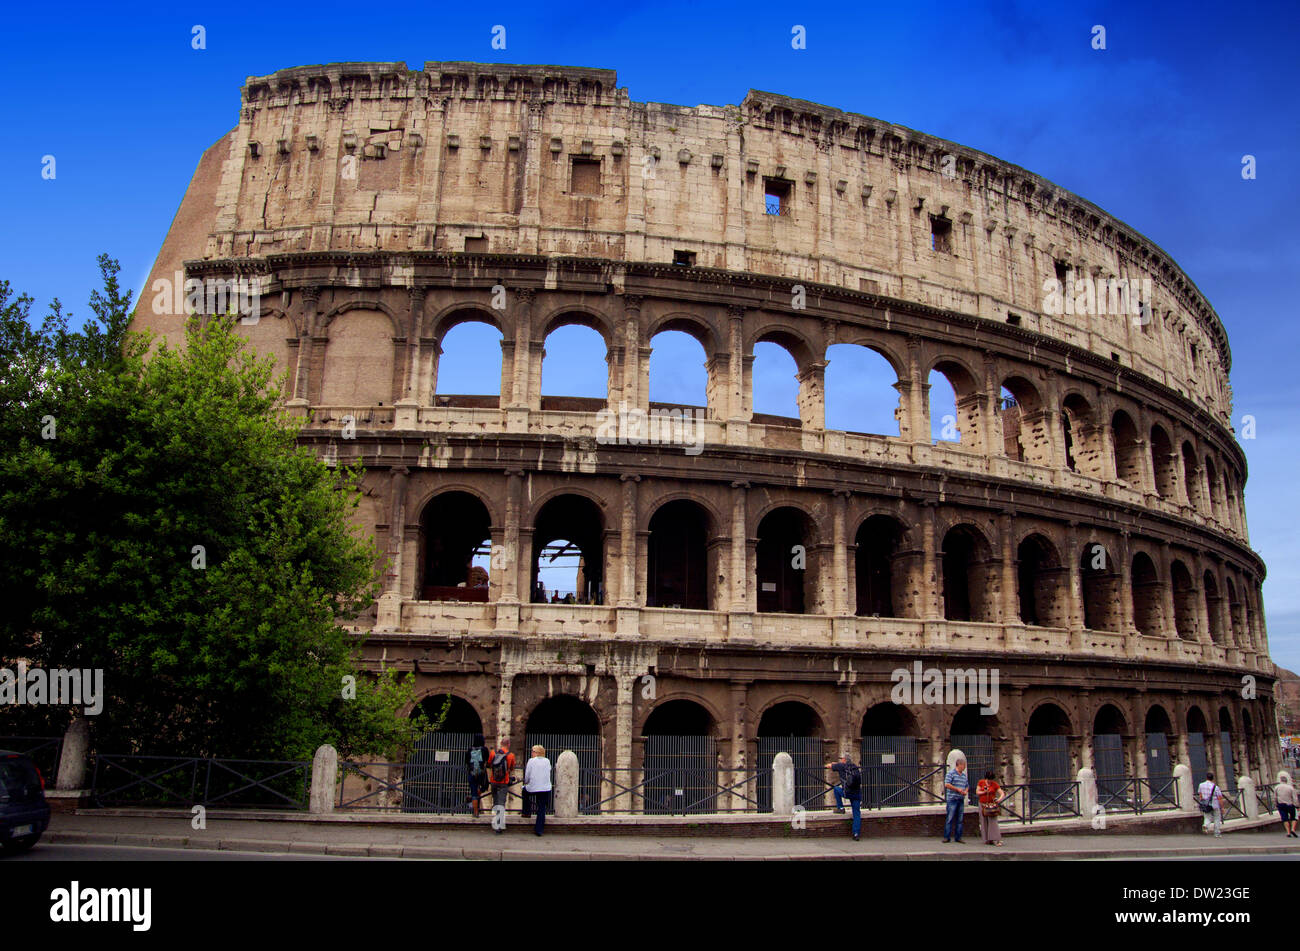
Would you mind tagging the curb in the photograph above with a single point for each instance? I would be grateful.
(390, 851)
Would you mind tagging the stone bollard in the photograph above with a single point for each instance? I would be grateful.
(1087, 793)
(565, 786)
(324, 780)
(74, 756)
(1246, 796)
(1186, 788)
(782, 785)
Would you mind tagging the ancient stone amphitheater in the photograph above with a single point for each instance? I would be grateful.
(1079, 530)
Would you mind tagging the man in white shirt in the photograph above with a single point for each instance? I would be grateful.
(1287, 800)
(537, 783)
(1210, 794)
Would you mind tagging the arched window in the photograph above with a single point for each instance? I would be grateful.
(455, 530)
(860, 391)
(469, 365)
(966, 576)
(1128, 454)
(678, 376)
(358, 360)
(1184, 601)
(954, 405)
(1163, 463)
(1101, 589)
(877, 541)
(1041, 583)
(775, 382)
(677, 569)
(782, 562)
(1148, 616)
(1213, 607)
(568, 552)
(575, 375)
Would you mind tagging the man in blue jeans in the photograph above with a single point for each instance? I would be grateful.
(956, 785)
(849, 787)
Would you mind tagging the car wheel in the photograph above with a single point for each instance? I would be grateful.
(22, 844)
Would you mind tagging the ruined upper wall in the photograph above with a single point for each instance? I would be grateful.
(482, 157)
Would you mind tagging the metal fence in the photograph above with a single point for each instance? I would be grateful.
(132, 780)
(812, 788)
(1050, 785)
(1137, 796)
(891, 770)
(586, 746)
(1229, 778)
(1198, 760)
(436, 776)
(1032, 801)
(44, 751)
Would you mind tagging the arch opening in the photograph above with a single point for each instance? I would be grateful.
(456, 534)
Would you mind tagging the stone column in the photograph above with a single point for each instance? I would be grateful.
(1167, 596)
(511, 554)
(389, 609)
(1018, 728)
(931, 591)
(324, 780)
(739, 400)
(1072, 553)
(1202, 605)
(627, 542)
(633, 393)
(919, 396)
(74, 756)
(739, 740)
(521, 395)
(840, 574)
(505, 705)
(307, 318)
(812, 395)
(1126, 585)
(623, 735)
(739, 533)
(1010, 600)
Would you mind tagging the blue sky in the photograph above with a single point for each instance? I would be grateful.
(1152, 129)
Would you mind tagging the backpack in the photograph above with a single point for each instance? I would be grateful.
(500, 769)
(851, 777)
(476, 762)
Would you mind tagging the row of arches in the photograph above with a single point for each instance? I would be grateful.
(680, 737)
(569, 550)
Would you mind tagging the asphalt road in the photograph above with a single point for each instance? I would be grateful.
(59, 852)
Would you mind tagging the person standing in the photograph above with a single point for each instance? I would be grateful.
(476, 770)
(1211, 804)
(1287, 801)
(499, 770)
(537, 785)
(956, 785)
(849, 787)
(990, 798)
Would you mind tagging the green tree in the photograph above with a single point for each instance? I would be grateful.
(175, 534)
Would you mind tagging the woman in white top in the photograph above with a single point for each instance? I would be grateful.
(537, 783)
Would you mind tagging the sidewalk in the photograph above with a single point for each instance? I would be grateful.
(377, 840)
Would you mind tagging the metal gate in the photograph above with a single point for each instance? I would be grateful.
(890, 770)
(681, 775)
(1159, 769)
(1199, 758)
(812, 780)
(1108, 750)
(435, 778)
(1229, 780)
(980, 758)
(1051, 786)
(587, 748)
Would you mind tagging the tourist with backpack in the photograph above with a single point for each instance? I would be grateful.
(1211, 803)
(500, 766)
(476, 770)
(849, 787)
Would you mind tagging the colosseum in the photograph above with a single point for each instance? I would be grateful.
(747, 583)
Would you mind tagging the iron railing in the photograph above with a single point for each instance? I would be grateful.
(397, 787)
(44, 751)
(1137, 795)
(1265, 796)
(1031, 801)
(907, 792)
(675, 792)
(132, 780)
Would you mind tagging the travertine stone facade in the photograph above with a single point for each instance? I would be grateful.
(1089, 540)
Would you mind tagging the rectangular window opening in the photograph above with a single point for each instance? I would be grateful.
(585, 178)
(940, 235)
(684, 258)
(477, 245)
(778, 196)
(1013, 319)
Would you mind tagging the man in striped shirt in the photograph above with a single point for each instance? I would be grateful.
(956, 785)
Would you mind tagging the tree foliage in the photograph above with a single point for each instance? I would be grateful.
(174, 533)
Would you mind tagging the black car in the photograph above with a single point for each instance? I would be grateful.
(24, 813)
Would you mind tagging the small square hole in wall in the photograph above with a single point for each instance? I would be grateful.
(1013, 320)
(585, 178)
(476, 245)
(1114, 356)
(1062, 271)
(940, 234)
(778, 195)
(684, 258)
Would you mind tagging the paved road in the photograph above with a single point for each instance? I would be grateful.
(60, 852)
